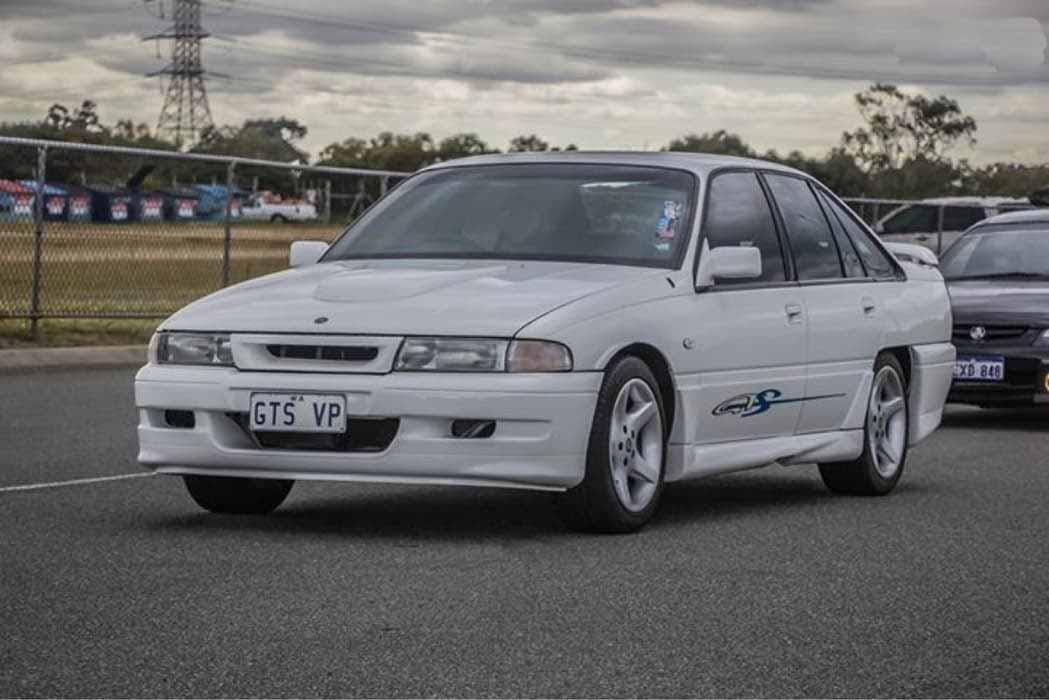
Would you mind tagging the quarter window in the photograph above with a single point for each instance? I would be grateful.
(874, 259)
(738, 214)
(811, 242)
(849, 256)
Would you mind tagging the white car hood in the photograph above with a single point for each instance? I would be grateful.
(395, 297)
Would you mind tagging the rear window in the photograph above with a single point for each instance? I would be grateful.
(990, 253)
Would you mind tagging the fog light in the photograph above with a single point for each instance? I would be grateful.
(473, 429)
(180, 419)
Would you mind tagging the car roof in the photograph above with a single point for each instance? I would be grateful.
(975, 201)
(1027, 216)
(698, 163)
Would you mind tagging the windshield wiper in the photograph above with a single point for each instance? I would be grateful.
(1003, 275)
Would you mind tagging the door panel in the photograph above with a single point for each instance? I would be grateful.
(752, 354)
(845, 328)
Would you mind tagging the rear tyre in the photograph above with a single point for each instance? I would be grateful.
(278, 219)
(885, 437)
(236, 496)
(625, 456)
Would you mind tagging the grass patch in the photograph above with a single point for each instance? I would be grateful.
(128, 269)
(74, 332)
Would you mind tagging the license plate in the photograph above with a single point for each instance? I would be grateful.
(298, 413)
(980, 369)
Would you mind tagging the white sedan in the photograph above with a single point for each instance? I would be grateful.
(595, 325)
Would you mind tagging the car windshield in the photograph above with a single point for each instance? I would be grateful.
(589, 213)
(998, 254)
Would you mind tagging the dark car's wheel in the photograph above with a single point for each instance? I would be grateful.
(885, 437)
(625, 456)
(232, 495)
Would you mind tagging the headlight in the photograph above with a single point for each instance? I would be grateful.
(191, 349)
(452, 355)
(482, 355)
(1043, 339)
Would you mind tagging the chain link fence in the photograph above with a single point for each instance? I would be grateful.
(98, 232)
(104, 232)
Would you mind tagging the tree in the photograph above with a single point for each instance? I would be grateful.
(267, 139)
(528, 144)
(462, 145)
(837, 170)
(533, 144)
(901, 127)
(83, 119)
(721, 142)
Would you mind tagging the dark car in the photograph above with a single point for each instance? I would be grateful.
(998, 277)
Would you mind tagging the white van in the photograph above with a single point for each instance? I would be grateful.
(936, 223)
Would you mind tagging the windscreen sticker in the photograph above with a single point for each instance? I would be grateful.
(666, 228)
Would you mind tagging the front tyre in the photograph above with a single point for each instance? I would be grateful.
(625, 455)
(234, 495)
(885, 437)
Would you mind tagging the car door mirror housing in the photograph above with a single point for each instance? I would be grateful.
(305, 253)
(727, 263)
(917, 254)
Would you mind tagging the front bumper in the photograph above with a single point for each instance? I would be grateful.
(542, 426)
(1024, 383)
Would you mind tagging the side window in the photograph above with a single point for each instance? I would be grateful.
(738, 214)
(915, 218)
(961, 218)
(874, 259)
(811, 242)
(849, 256)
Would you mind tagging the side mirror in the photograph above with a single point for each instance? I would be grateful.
(917, 254)
(878, 228)
(727, 263)
(305, 253)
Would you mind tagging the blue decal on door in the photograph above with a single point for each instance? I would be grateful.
(746, 405)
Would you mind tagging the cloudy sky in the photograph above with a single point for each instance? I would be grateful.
(597, 73)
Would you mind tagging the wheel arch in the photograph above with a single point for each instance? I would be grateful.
(903, 354)
(660, 366)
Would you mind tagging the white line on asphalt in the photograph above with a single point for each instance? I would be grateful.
(73, 482)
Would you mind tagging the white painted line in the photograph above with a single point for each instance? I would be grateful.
(73, 482)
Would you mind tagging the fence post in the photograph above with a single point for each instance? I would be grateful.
(327, 201)
(227, 238)
(939, 230)
(38, 239)
(384, 183)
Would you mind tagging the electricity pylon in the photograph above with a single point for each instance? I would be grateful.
(185, 113)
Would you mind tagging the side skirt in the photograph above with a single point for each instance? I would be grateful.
(694, 461)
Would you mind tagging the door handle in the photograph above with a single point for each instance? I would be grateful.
(868, 305)
(793, 312)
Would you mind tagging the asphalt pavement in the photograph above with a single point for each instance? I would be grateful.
(755, 584)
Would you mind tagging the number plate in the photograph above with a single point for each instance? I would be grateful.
(980, 369)
(298, 413)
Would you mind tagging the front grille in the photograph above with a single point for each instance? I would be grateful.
(336, 353)
(362, 435)
(992, 333)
